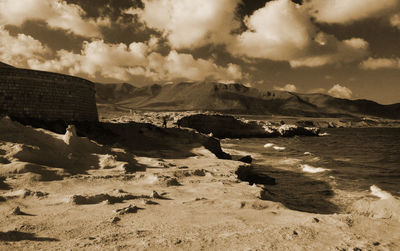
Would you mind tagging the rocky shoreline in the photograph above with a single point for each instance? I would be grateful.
(163, 198)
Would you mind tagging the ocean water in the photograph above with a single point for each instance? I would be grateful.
(327, 173)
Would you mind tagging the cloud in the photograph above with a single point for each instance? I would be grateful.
(283, 31)
(339, 91)
(345, 51)
(97, 57)
(15, 50)
(278, 31)
(190, 23)
(380, 63)
(122, 62)
(57, 14)
(183, 66)
(345, 11)
(288, 88)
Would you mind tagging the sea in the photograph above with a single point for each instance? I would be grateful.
(328, 173)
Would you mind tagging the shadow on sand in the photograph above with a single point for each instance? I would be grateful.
(298, 191)
(21, 236)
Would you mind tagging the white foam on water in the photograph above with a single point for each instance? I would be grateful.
(268, 145)
(376, 191)
(307, 153)
(315, 159)
(323, 134)
(279, 148)
(310, 169)
(290, 161)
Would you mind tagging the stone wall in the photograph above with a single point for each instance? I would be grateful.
(46, 96)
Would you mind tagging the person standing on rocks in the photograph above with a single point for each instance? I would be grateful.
(165, 121)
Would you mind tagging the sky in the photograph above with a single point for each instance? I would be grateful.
(347, 49)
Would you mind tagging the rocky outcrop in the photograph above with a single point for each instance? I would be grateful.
(246, 173)
(222, 126)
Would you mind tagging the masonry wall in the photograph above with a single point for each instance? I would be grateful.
(46, 96)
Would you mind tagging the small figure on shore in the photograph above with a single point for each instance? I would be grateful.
(165, 121)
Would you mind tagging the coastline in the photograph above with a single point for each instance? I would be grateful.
(202, 206)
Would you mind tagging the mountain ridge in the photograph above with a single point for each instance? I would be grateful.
(237, 98)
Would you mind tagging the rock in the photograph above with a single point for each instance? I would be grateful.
(131, 209)
(98, 198)
(293, 130)
(155, 195)
(315, 220)
(199, 172)
(149, 202)
(265, 195)
(221, 126)
(246, 173)
(187, 173)
(229, 127)
(246, 159)
(23, 193)
(4, 160)
(168, 181)
(17, 211)
(115, 219)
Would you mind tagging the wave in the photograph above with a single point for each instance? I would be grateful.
(324, 134)
(289, 161)
(310, 169)
(307, 153)
(268, 145)
(342, 159)
(376, 191)
(279, 148)
(387, 207)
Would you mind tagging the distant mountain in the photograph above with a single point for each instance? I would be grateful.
(113, 93)
(237, 98)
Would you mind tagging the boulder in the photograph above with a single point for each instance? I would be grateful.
(246, 159)
(247, 173)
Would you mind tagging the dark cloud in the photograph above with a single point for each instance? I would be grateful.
(383, 39)
(247, 7)
(111, 8)
(56, 39)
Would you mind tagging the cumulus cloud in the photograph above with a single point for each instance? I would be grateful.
(56, 13)
(288, 88)
(339, 91)
(190, 23)
(121, 62)
(110, 60)
(183, 66)
(283, 31)
(380, 63)
(345, 11)
(15, 50)
(278, 31)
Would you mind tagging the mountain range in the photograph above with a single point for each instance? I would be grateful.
(233, 98)
(237, 98)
